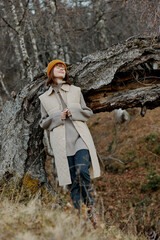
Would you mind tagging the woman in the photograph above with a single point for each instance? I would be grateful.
(64, 113)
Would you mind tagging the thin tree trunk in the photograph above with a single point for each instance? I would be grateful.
(22, 42)
(15, 46)
(57, 33)
(52, 34)
(36, 66)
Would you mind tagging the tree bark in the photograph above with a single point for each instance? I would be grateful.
(36, 67)
(123, 76)
(21, 42)
(15, 45)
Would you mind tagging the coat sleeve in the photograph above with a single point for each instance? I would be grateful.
(50, 121)
(83, 113)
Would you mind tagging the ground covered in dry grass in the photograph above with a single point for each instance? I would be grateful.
(127, 194)
(42, 217)
(130, 186)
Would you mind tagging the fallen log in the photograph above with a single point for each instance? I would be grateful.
(123, 76)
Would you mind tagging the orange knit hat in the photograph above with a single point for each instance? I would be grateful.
(52, 63)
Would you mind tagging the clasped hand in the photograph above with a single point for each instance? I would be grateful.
(65, 113)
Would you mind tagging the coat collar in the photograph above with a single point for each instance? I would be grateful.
(64, 87)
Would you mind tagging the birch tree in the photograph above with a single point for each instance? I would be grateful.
(36, 63)
(37, 31)
(14, 44)
(22, 44)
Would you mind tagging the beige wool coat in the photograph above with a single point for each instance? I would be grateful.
(52, 104)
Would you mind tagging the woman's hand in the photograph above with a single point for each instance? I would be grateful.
(65, 113)
(69, 113)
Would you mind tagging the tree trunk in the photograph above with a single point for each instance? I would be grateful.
(15, 45)
(123, 76)
(36, 65)
(21, 42)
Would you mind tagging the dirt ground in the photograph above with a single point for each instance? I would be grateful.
(129, 189)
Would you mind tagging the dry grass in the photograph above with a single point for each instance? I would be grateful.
(125, 210)
(137, 144)
(35, 219)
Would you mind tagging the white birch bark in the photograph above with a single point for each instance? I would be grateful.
(17, 54)
(67, 57)
(58, 50)
(36, 65)
(54, 45)
(101, 25)
(61, 54)
(21, 42)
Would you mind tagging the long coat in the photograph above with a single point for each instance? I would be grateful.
(52, 104)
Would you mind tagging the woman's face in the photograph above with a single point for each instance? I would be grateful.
(59, 71)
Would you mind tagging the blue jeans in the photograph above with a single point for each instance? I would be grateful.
(80, 188)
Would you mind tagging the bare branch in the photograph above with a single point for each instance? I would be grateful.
(9, 25)
(25, 10)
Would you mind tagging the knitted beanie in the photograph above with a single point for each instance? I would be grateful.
(52, 63)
